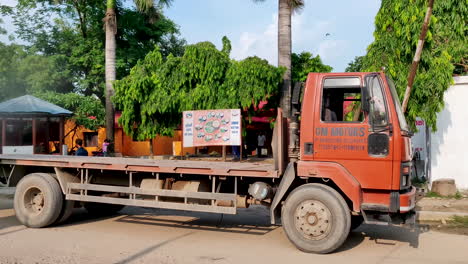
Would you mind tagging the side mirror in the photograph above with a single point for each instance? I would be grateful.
(297, 91)
(365, 98)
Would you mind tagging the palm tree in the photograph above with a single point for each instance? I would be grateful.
(285, 10)
(148, 7)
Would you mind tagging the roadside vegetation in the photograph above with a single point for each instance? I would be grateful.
(457, 196)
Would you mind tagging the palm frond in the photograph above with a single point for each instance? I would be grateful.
(297, 5)
(144, 6)
(152, 8)
(149, 6)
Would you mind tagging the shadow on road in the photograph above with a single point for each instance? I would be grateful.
(251, 222)
(9, 221)
(81, 216)
(150, 249)
(384, 235)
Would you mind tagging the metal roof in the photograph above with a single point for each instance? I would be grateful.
(28, 104)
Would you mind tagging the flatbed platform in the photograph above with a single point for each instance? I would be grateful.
(218, 168)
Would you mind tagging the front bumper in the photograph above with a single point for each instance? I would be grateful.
(408, 200)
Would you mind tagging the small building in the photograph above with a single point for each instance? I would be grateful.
(447, 154)
(30, 125)
(442, 153)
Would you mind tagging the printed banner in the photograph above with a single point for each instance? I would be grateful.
(212, 128)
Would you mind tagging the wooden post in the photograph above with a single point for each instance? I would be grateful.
(224, 153)
(417, 55)
(61, 132)
(34, 132)
(151, 152)
(240, 151)
(47, 136)
(3, 134)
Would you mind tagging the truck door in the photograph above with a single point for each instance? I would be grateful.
(344, 133)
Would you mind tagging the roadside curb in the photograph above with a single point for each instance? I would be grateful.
(437, 216)
(7, 192)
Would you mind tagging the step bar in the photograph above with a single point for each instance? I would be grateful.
(79, 192)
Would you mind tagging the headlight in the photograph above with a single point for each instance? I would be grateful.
(405, 175)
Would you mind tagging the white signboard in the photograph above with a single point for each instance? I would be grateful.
(23, 150)
(221, 127)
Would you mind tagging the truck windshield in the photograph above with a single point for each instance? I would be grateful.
(396, 102)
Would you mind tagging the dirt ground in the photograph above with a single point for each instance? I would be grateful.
(449, 228)
(443, 205)
(139, 235)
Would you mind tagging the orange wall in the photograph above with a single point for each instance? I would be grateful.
(124, 144)
(69, 140)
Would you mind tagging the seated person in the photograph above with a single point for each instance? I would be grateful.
(80, 150)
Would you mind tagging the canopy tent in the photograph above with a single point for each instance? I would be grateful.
(30, 125)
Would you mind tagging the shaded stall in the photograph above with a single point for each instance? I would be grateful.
(30, 125)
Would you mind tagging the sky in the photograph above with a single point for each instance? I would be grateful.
(252, 27)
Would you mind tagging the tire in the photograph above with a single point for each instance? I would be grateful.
(66, 212)
(38, 200)
(356, 221)
(316, 219)
(102, 209)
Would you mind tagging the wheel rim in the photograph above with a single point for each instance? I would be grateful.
(313, 220)
(34, 200)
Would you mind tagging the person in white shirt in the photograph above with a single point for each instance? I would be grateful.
(260, 144)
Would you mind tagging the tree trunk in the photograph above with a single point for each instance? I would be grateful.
(151, 148)
(417, 55)
(110, 24)
(284, 52)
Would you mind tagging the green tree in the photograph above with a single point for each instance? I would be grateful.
(355, 65)
(75, 38)
(87, 110)
(398, 25)
(157, 90)
(2, 30)
(304, 63)
(23, 73)
(150, 8)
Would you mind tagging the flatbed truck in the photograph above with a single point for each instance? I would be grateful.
(343, 157)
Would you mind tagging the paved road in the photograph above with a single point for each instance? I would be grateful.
(139, 235)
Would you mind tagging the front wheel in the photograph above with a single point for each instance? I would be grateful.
(316, 218)
(356, 221)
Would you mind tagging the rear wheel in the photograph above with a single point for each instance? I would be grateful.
(316, 218)
(66, 212)
(38, 200)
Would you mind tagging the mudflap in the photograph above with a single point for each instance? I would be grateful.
(288, 178)
(405, 220)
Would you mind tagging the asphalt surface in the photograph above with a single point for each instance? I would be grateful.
(139, 235)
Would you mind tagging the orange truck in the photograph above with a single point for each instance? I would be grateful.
(342, 158)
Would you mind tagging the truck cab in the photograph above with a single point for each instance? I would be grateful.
(353, 130)
(353, 150)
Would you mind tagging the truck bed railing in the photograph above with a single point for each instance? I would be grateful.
(212, 202)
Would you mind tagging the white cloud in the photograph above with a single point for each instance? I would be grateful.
(262, 44)
(8, 2)
(331, 49)
(307, 35)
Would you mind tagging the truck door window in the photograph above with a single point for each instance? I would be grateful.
(378, 112)
(341, 100)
